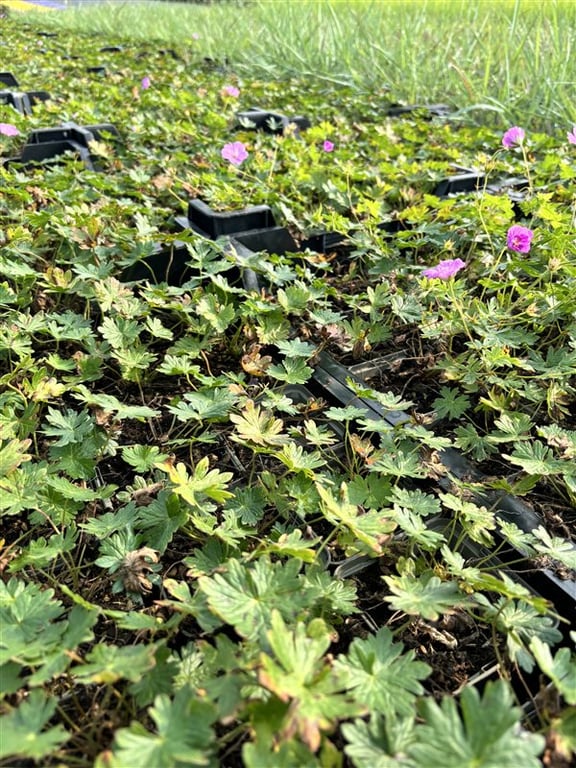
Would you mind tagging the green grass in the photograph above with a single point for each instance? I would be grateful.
(500, 62)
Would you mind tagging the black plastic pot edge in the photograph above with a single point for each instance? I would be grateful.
(70, 131)
(362, 370)
(8, 79)
(463, 182)
(170, 264)
(23, 101)
(472, 181)
(38, 96)
(274, 240)
(214, 224)
(34, 154)
(432, 110)
(258, 119)
(165, 264)
(49, 144)
(18, 100)
(323, 242)
(331, 377)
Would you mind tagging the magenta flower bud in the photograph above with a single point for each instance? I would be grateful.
(7, 129)
(513, 136)
(572, 136)
(235, 152)
(328, 146)
(444, 269)
(231, 90)
(519, 238)
(146, 83)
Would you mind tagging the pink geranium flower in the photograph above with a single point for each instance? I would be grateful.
(572, 136)
(444, 269)
(231, 90)
(513, 136)
(146, 83)
(7, 129)
(328, 146)
(235, 152)
(519, 239)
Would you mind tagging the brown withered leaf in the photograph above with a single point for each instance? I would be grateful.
(135, 567)
(144, 496)
(361, 447)
(163, 181)
(254, 363)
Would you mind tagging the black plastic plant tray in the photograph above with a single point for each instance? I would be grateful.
(463, 182)
(166, 264)
(170, 264)
(334, 377)
(526, 684)
(272, 240)
(18, 100)
(7, 78)
(98, 69)
(331, 377)
(51, 150)
(393, 226)
(47, 144)
(111, 49)
(324, 242)
(368, 369)
(38, 96)
(512, 185)
(433, 110)
(562, 592)
(214, 224)
(71, 132)
(270, 122)
(243, 256)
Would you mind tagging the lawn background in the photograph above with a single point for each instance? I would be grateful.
(501, 62)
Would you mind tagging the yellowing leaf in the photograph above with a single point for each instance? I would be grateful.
(201, 484)
(257, 426)
(47, 389)
(12, 455)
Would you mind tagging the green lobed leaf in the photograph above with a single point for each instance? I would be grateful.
(426, 595)
(22, 734)
(245, 594)
(297, 671)
(207, 405)
(483, 733)
(106, 664)
(382, 677)
(560, 668)
(183, 735)
(379, 743)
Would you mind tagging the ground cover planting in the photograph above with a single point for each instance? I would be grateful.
(287, 420)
